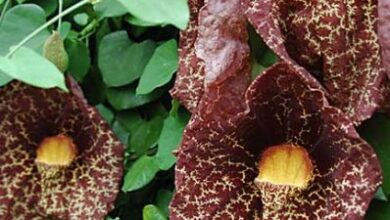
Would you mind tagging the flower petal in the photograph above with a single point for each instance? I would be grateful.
(334, 40)
(217, 165)
(221, 53)
(384, 32)
(283, 108)
(88, 187)
(188, 87)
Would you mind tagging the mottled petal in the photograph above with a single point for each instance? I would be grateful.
(87, 188)
(221, 53)
(217, 166)
(285, 109)
(384, 32)
(336, 41)
(214, 177)
(189, 84)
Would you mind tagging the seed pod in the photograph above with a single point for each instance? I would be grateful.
(54, 51)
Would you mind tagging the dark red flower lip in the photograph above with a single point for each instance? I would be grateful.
(217, 165)
(88, 187)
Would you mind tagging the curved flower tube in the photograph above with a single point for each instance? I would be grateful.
(336, 41)
(58, 158)
(290, 155)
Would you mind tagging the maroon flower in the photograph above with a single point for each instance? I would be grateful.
(212, 50)
(336, 41)
(288, 155)
(190, 75)
(58, 158)
(384, 32)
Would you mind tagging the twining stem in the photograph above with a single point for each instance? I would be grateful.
(59, 12)
(47, 24)
(4, 9)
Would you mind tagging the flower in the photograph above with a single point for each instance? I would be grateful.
(59, 159)
(190, 75)
(336, 41)
(289, 155)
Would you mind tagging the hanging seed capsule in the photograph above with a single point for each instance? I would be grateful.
(54, 51)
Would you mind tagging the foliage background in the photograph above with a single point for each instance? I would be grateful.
(124, 55)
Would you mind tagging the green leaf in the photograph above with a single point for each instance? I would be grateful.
(28, 66)
(257, 68)
(79, 58)
(121, 133)
(268, 58)
(121, 61)
(81, 19)
(376, 132)
(106, 113)
(4, 79)
(109, 8)
(140, 173)
(131, 120)
(138, 22)
(65, 29)
(163, 198)
(380, 195)
(19, 22)
(161, 12)
(122, 98)
(170, 138)
(146, 135)
(160, 68)
(151, 212)
(49, 6)
(109, 218)
(378, 210)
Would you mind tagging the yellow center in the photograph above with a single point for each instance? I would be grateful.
(56, 151)
(285, 165)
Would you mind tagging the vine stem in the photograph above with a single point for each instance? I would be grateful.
(47, 24)
(4, 9)
(59, 12)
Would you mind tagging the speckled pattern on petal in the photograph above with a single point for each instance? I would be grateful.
(214, 53)
(384, 32)
(335, 40)
(189, 84)
(217, 165)
(87, 189)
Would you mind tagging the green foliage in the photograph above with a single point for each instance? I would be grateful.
(19, 22)
(109, 8)
(160, 68)
(376, 132)
(28, 66)
(147, 135)
(140, 173)
(163, 198)
(152, 212)
(158, 12)
(81, 19)
(125, 97)
(379, 210)
(106, 113)
(4, 78)
(79, 58)
(170, 138)
(122, 61)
